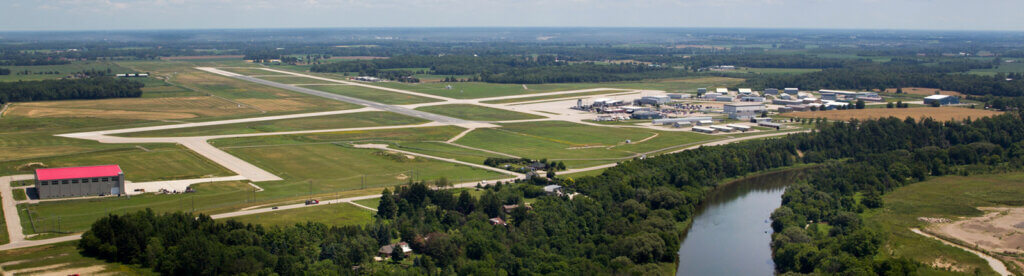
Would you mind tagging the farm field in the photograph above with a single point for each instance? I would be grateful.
(339, 214)
(381, 96)
(61, 259)
(951, 197)
(936, 113)
(144, 162)
(361, 119)
(475, 112)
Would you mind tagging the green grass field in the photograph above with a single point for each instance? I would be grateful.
(1016, 67)
(147, 162)
(351, 120)
(372, 203)
(333, 167)
(331, 164)
(381, 96)
(4, 237)
(19, 194)
(77, 215)
(62, 259)
(579, 145)
(946, 197)
(340, 214)
(478, 113)
(447, 151)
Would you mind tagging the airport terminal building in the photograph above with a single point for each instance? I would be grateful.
(80, 181)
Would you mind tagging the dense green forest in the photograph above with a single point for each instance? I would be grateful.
(69, 89)
(630, 219)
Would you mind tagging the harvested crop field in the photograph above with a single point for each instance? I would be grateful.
(924, 91)
(936, 113)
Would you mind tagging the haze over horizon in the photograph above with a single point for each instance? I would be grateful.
(25, 15)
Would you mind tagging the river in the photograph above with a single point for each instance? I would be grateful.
(731, 234)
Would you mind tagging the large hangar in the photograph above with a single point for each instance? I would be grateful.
(80, 181)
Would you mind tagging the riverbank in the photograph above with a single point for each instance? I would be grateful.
(952, 198)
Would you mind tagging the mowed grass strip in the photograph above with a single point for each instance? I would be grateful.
(333, 167)
(444, 150)
(148, 162)
(62, 259)
(253, 71)
(370, 94)
(350, 120)
(950, 197)
(473, 90)
(397, 135)
(290, 79)
(557, 97)
(945, 113)
(476, 112)
(338, 214)
(476, 90)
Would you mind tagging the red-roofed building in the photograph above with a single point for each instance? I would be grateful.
(80, 181)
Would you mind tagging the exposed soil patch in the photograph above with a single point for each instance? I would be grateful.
(997, 231)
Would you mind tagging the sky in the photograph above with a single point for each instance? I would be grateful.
(26, 15)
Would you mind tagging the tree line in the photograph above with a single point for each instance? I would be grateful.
(69, 89)
(901, 73)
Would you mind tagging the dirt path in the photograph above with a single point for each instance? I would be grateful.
(996, 265)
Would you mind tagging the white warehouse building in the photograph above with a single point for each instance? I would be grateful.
(743, 110)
